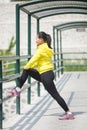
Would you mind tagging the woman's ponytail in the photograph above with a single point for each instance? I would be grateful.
(45, 37)
(49, 41)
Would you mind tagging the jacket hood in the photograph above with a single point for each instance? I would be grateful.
(42, 59)
(46, 50)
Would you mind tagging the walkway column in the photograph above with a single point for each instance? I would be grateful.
(61, 54)
(1, 111)
(58, 52)
(17, 52)
(29, 53)
(38, 85)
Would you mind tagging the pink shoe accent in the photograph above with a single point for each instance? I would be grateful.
(67, 117)
(14, 93)
(11, 93)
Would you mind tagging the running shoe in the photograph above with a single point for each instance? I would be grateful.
(14, 92)
(67, 116)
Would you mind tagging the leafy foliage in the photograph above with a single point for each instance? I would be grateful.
(8, 51)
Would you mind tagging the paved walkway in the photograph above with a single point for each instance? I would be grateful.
(44, 114)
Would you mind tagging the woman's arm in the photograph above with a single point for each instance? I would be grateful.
(33, 62)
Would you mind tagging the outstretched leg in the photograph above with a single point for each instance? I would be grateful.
(47, 80)
(30, 72)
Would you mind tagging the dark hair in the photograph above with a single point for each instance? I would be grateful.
(45, 37)
(49, 41)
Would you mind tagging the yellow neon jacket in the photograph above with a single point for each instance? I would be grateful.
(42, 59)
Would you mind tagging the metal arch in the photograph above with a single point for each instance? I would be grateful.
(75, 5)
(25, 4)
(43, 1)
(71, 25)
(55, 6)
(59, 29)
(56, 11)
(73, 11)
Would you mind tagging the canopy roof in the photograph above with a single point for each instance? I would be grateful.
(43, 8)
(70, 25)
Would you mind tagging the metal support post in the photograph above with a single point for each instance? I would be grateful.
(17, 52)
(29, 53)
(38, 84)
(1, 111)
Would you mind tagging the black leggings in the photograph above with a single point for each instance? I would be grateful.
(47, 79)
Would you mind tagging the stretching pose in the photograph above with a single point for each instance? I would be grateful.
(42, 60)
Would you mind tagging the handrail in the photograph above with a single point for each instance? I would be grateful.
(57, 70)
(10, 78)
(6, 58)
(14, 76)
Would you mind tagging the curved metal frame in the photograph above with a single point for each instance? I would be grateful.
(63, 7)
(71, 6)
(63, 27)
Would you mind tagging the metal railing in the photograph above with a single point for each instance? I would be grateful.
(75, 61)
(9, 72)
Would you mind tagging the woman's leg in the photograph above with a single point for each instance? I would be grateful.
(47, 80)
(30, 72)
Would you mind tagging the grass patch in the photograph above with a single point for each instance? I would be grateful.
(75, 66)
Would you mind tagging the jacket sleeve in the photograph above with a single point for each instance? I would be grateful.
(33, 62)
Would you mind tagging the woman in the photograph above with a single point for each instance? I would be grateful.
(42, 59)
